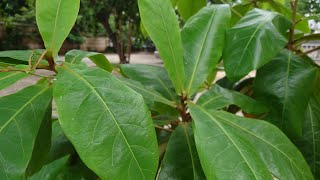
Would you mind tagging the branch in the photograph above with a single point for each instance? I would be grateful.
(162, 128)
(294, 5)
(310, 51)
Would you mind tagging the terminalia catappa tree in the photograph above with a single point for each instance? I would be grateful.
(168, 122)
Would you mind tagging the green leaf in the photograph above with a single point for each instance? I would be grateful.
(200, 35)
(107, 122)
(14, 57)
(249, 43)
(148, 94)
(286, 90)
(21, 116)
(51, 171)
(9, 78)
(76, 57)
(309, 142)
(218, 98)
(181, 159)
(161, 23)
(55, 19)
(42, 144)
(188, 8)
(280, 7)
(232, 147)
(153, 77)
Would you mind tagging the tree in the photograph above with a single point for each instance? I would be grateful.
(170, 122)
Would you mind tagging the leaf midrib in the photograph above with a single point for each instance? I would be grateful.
(201, 51)
(313, 138)
(12, 74)
(55, 27)
(24, 106)
(113, 118)
(185, 128)
(239, 127)
(171, 49)
(227, 135)
(249, 42)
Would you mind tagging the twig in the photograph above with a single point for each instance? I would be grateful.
(162, 128)
(294, 5)
(310, 51)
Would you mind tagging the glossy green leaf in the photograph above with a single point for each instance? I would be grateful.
(153, 77)
(233, 147)
(218, 98)
(203, 41)
(55, 19)
(309, 142)
(181, 159)
(107, 122)
(42, 144)
(148, 94)
(188, 8)
(76, 57)
(20, 120)
(161, 23)
(250, 43)
(286, 90)
(51, 171)
(9, 78)
(282, 8)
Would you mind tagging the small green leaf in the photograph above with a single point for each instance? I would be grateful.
(107, 122)
(55, 19)
(9, 78)
(161, 23)
(21, 116)
(76, 57)
(249, 43)
(181, 159)
(286, 91)
(148, 94)
(153, 77)
(201, 34)
(233, 147)
(218, 98)
(188, 8)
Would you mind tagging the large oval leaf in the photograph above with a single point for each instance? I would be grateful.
(203, 40)
(286, 90)
(181, 160)
(161, 23)
(188, 8)
(233, 147)
(15, 57)
(21, 116)
(55, 19)
(250, 43)
(107, 122)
